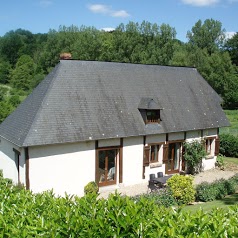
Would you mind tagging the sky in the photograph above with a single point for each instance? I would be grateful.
(39, 16)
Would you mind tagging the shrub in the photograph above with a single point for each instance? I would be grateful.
(220, 162)
(24, 214)
(162, 197)
(4, 181)
(221, 188)
(231, 186)
(229, 145)
(182, 188)
(205, 192)
(91, 188)
(193, 154)
(217, 190)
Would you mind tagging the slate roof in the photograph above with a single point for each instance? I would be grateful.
(87, 100)
(149, 104)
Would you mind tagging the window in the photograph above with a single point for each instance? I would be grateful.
(152, 116)
(172, 157)
(209, 142)
(154, 153)
(151, 154)
(107, 166)
(17, 162)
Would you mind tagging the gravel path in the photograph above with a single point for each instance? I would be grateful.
(207, 176)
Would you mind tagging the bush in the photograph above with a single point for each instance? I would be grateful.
(206, 192)
(232, 184)
(229, 145)
(24, 214)
(182, 188)
(220, 162)
(162, 197)
(194, 152)
(91, 188)
(221, 188)
(4, 181)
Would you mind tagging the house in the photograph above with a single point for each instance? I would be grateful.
(113, 123)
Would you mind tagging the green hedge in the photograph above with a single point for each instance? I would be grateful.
(23, 214)
(229, 145)
(216, 190)
(161, 197)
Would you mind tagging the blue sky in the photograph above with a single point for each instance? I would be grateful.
(38, 16)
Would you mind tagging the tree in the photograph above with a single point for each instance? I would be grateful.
(10, 45)
(209, 35)
(5, 109)
(5, 68)
(232, 47)
(23, 74)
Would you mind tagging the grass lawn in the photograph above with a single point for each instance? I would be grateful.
(229, 160)
(208, 206)
(223, 203)
(233, 118)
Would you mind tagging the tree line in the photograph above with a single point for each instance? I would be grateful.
(25, 58)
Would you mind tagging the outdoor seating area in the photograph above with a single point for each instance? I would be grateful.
(158, 182)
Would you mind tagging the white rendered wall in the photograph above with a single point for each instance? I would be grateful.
(7, 161)
(210, 132)
(153, 139)
(132, 160)
(209, 163)
(108, 142)
(66, 168)
(150, 170)
(176, 136)
(193, 135)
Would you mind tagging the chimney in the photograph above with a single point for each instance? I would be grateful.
(65, 56)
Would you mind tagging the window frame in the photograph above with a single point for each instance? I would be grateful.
(154, 118)
(209, 141)
(118, 169)
(156, 154)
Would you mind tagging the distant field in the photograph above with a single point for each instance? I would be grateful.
(233, 118)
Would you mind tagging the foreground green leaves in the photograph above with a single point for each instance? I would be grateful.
(23, 214)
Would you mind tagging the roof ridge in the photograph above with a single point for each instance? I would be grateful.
(130, 63)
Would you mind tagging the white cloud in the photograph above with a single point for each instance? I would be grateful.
(107, 29)
(229, 34)
(46, 3)
(98, 8)
(200, 3)
(107, 10)
(121, 13)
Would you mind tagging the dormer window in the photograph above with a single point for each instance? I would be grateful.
(152, 116)
(150, 110)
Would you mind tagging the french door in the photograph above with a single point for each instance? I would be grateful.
(107, 166)
(172, 164)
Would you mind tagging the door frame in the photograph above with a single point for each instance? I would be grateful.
(118, 169)
(180, 159)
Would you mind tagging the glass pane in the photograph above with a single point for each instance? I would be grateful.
(111, 165)
(170, 157)
(102, 166)
(176, 157)
(154, 149)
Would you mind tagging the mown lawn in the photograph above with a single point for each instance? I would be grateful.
(223, 203)
(208, 206)
(233, 118)
(229, 160)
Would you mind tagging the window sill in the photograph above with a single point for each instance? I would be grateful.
(155, 165)
(209, 157)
